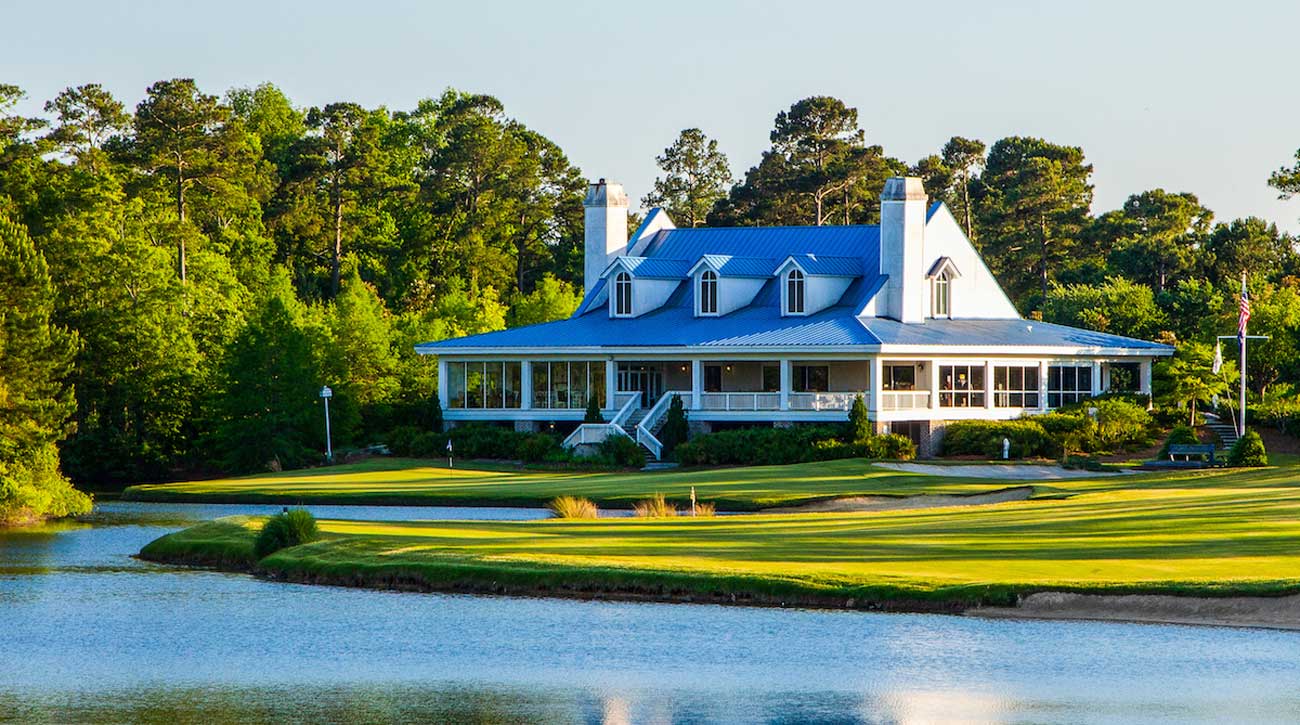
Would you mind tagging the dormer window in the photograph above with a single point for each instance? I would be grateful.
(794, 292)
(623, 295)
(942, 295)
(709, 292)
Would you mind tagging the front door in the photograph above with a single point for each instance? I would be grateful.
(648, 380)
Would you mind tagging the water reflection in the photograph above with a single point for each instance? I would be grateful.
(88, 634)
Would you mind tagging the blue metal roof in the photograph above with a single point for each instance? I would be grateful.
(1015, 333)
(768, 242)
(827, 266)
(732, 266)
(653, 268)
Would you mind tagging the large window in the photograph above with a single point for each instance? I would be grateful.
(623, 295)
(709, 292)
(1015, 386)
(712, 378)
(942, 295)
(811, 378)
(491, 384)
(771, 379)
(568, 384)
(794, 289)
(1068, 384)
(961, 386)
(898, 377)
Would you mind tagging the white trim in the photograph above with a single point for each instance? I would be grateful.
(785, 280)
(699, 294)
(616, 299)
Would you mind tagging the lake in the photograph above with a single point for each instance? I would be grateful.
(88, 634)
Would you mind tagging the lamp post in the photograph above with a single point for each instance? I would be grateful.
(326, 394)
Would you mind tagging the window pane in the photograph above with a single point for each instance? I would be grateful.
(541, 385)
(559, 385)
(492, 385)
(1085, 379)
(818, 378)
(456, 384)
(577, 385)
(513, 385)
(1031, 378)
(771, 378)
(712, 378)
(474, 385)
(598, 383)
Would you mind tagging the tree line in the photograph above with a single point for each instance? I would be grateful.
(211, 260)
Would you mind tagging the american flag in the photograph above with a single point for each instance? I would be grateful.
(1243, 315)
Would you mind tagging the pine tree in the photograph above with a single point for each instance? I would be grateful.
(675, 430)
(859, 424)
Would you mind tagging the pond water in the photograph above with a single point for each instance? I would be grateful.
(88, 634)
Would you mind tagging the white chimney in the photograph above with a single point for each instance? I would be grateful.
(605, 216)
(902, 248)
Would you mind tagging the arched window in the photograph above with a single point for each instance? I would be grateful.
(942, 295)
(794, 284)
(709, 292)
(623, 295)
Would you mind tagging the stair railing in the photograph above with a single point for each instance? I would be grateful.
(644, 434)
(598, 432)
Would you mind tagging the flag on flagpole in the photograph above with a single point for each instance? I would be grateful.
(1218, 357)
(1243, 316)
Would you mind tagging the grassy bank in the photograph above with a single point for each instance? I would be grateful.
(426, 482)
(1229, 534)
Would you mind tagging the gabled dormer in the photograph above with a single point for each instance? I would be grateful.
(723, 283)
(810, 283)
(637, 285)
(941, 275)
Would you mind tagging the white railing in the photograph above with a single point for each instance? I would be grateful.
(826, 401)
(598, 432)
(740, 401)
(644, 436)
(904, 399)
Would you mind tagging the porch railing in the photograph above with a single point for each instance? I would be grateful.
(644, 429)
(826, 401)
(904, 399)
(598, 432)
(740, 401)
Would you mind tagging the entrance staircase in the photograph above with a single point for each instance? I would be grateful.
(1226, 432)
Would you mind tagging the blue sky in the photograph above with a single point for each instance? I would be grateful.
(1188, 96)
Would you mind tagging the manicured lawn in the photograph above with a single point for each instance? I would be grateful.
(1227, 533)
(411, 481)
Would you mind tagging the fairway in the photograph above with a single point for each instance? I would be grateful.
(1234, 533)
(422, 481)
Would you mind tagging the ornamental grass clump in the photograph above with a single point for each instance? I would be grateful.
(705, 509)
(573, 507)
(654, 507)
(290, 528)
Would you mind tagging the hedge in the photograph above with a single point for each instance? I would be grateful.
(984, 438)
(777, 446)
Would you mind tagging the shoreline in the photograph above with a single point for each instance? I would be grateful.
(1255, 612)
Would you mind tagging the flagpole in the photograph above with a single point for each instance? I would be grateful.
(1241, 418)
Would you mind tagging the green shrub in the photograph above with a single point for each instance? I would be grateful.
(1248, 451)
(401, 440)
(1179, 436)
(291, 528)
(892, 447)
(1119, 424)
(621, 451)
(984, 438)
(859, 423)
(593, 411)
(676, 430)
(537, 447)
(573, 507)
(654, 507)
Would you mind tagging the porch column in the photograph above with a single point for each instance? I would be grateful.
(1042, 385)
(442, 383)
(697, 383)
(786, 377)
(1144, 377)
(934, 385)
(611, 385)
(1096, 379)
(875, 384)
(526, 385)
(988, 385)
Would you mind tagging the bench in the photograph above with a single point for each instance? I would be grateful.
(1187, 450)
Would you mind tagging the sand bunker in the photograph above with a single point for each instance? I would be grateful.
(851, 504)
(1273, 612)
(1006, 472)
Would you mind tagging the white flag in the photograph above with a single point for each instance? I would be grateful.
(449, 445)
(1218, 357)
